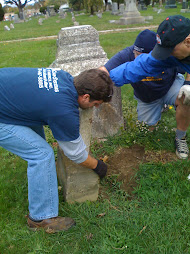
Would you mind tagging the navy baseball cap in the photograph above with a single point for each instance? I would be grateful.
(173, 30)
(145, 41)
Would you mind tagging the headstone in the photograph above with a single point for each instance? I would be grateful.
(40, 21)
(12, 26)
(148, 18)
(170, 4)
(155, 9)
(160, 11)
(141, 6)
(131, 14)
(61, 13)
(99, 15)
(51, 11)
(121, 9)
(76, 23)
(184, 7)
(6, 28)
(16, 18)
(78, 50)
(115, 10)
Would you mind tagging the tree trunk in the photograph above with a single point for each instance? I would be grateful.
(91, 10)
(21, 14)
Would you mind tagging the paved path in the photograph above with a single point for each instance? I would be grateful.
(53, 37)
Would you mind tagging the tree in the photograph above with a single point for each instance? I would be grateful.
(1, 13)
(20, 5)
(93, 5)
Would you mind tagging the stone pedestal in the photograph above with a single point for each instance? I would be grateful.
(131, 14)
(78, 50)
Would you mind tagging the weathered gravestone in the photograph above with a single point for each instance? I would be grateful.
(78, 50)
(115, 10)
(131, 14)
(51, 11)
(170, 4)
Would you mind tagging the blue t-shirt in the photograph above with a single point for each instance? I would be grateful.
(40, 96)
(144, 65)
(149, 88)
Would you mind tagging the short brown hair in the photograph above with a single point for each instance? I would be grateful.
(96, 83)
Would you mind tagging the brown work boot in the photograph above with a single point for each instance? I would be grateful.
(52, 225)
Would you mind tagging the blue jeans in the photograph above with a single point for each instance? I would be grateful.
(150, 113)
(31, 146)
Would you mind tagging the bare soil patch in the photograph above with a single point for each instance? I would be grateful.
(125, 163)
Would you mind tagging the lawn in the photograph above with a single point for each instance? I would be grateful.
(155, 219)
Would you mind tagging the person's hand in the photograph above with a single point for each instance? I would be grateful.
(102, 68)
(101, 169)
(185, 91)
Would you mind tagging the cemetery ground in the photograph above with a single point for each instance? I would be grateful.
(143, 204)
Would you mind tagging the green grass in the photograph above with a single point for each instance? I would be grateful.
(155, 221)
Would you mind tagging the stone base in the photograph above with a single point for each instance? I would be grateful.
(131, 20)
(184, 10)
(78, 183)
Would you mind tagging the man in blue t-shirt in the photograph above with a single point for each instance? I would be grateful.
(153, 92)
(33, 97)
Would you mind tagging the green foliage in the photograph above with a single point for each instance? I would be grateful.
(1, 13)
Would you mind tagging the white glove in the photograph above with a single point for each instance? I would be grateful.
(185, 90)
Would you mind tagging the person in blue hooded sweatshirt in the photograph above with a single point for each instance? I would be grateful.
(153, 92)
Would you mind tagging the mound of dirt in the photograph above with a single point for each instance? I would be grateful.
(125, 163)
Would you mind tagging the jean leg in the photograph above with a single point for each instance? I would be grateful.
(150, 113)
(41, 172)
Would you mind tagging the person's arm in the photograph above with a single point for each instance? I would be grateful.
(76, 151)
(143, 66)
(123, 56)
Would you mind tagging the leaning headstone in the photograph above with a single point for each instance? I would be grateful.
(160, 11)
(131, 14)
(115, 10)
(78, 50)
(6, 28)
